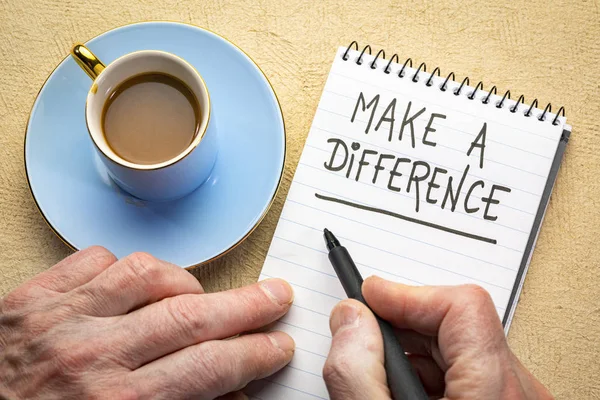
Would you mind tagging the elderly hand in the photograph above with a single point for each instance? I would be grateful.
(453, 334)
(136, 328)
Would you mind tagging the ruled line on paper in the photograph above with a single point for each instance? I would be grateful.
(304, 287)
(385, 251)
(302, 266)
(335, 276)
(297, 390)
(406, 218)
(311, 310)
(311, 352)
(308, 372)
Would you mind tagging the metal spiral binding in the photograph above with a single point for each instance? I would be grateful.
(450, 77)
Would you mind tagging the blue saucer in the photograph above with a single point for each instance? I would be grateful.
(84, 207)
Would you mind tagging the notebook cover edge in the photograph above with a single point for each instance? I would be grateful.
(535, 230)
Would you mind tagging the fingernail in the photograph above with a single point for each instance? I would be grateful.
(374, 279)
(345, 314)
(282, 340)
(278, 290)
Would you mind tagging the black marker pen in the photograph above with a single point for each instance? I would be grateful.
(402, 379)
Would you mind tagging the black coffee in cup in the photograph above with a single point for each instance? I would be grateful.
(150, 118)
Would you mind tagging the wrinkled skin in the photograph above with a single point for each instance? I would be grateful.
(137, 328)
(453, 334)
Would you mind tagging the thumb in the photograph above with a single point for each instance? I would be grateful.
(354, 368)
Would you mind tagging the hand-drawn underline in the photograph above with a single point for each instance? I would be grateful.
(405, 218)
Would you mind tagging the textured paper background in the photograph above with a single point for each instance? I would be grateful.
(544, 49)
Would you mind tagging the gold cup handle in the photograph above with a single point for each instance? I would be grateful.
(87, 60)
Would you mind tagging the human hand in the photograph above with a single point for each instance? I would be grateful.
(453, 336)
(136, 328)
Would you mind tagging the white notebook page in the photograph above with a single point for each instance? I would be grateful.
(388, 232)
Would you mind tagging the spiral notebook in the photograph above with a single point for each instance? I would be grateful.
(426, 180)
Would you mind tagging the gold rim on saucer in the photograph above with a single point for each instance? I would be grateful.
(271, 201)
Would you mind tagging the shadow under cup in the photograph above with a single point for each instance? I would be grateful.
(166, 180)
